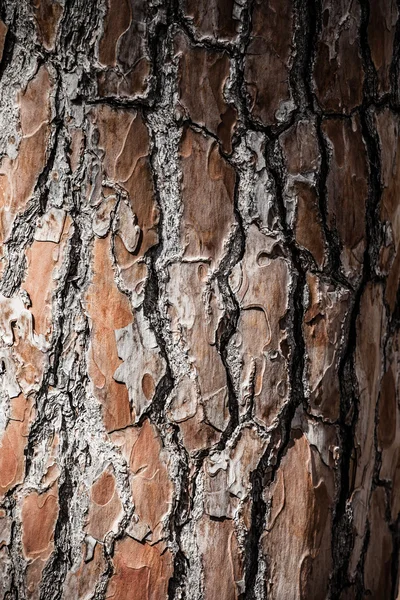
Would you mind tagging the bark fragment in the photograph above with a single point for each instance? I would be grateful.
(122, 50)
(347, 191)
(267, 62)
(338, 69)
(218, 19)
(304, 544)
(199, 307)
(207, 72)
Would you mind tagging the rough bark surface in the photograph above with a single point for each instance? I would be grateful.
(199, 299)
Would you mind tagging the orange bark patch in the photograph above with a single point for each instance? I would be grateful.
(368, 366)
(117, 21)
(261, 283)
(141, 572)
(125, 140)
(18, 176)
(42, 258)
(220, 558)
(323, 329)
(105, 510)
(152, 489)
(388, 129)
(39, 515)
(13, 443)
(108, 310)
(199, 403)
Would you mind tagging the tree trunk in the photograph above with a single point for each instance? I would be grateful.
(200, 323)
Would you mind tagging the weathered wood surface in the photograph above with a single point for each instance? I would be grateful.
(199, 299)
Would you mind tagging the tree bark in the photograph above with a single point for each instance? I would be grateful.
(200, 324)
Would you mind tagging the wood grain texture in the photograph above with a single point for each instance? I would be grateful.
(199, 300)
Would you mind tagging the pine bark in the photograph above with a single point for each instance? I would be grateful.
(199, 299)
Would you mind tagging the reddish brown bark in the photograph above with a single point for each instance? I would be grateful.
(199, 299)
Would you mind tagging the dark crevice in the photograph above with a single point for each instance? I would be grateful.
(212, 45)
(56, 568)
(270, 463)
(370, 76)
(182, 503)
(9, 42)
(349, 410)
(156, 413)
(304, 42)
(333, 245)
(228, 324)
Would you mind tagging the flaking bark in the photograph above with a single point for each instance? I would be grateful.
(199, 299)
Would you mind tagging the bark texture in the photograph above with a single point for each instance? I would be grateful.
(199, 299)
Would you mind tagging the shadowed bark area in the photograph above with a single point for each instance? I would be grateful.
(199, 299)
